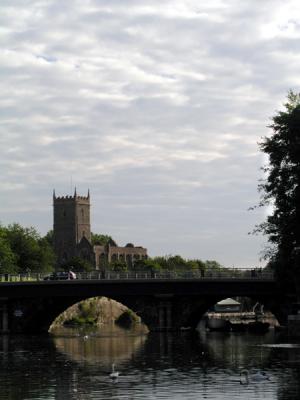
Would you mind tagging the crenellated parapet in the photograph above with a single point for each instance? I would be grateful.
(71, 197)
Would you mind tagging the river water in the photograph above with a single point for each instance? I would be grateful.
(205, 365)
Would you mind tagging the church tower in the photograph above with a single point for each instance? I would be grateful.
(71, 223)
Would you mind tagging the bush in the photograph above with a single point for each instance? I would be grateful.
(79, 321)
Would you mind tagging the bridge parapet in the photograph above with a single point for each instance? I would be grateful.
(210, 274)
(167, 300)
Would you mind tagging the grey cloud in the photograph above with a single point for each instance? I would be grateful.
(157, 108)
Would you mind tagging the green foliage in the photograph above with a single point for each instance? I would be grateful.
(293, 101)
(161, 261)
(172, 263)
(212, 265)
(166, 264)
(22, 249)
(118, 266)
(175, 262)
(8, 260)
(77, 264)
(47, 257)
(281, 189)
(100, 239)
(87, 314)
(199, 264)
(147, 265)
(79, 321)
(87, 308)
(50, 237)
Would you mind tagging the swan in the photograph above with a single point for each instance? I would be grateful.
(114, 374)
(246, 378)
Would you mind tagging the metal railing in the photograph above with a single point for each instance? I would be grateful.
(210, 274)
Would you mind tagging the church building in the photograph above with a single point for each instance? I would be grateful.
(72, 235)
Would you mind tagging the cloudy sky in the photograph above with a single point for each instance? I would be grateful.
(155, 106)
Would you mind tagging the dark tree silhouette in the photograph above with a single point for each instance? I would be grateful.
(281, 191)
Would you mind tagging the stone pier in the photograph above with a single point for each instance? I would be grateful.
(294, 325)
(3, 316)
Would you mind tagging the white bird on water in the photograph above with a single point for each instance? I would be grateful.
(114, 374)
(246, 377)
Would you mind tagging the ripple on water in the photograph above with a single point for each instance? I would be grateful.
(161, 367)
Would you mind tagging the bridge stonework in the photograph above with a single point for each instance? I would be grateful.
(162, 304)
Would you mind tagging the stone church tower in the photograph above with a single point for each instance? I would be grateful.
(71, 223)
(72, 235)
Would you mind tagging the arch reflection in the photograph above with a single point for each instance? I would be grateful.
(112, 344)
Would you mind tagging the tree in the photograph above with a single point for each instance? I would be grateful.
(8, 260)
(176, 263)
(100, 239)
(28, 250)
(50, 237)
(170, 263)
(118, 266)
(281, 190)
(47, 258)
(162, 261)
(212, 265)
(77, 264)
(146, 265)
(192, 265)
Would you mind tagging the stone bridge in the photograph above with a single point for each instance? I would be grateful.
(162, 303)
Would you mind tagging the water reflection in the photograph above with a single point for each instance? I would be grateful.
(116, 345)
(157, 365)
(236, 349)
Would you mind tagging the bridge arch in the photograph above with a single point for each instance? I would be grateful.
(161, 303)
(37, 315)
(98, 312)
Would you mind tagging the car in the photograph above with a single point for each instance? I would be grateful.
(60, 276)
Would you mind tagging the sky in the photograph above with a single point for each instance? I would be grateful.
(156, 107)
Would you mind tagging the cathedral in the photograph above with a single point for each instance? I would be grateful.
(72, 235)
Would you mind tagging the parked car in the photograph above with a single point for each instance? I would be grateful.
(60, 276)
